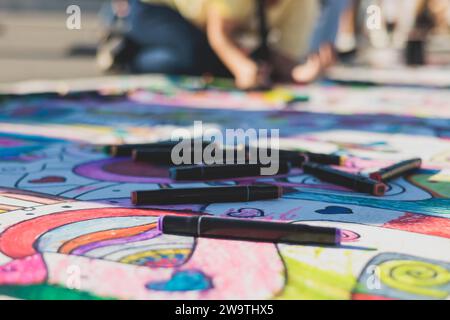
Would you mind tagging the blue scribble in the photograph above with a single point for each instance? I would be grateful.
(335, 210)
(189, 280)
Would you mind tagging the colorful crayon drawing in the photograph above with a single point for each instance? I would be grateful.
(69, 231)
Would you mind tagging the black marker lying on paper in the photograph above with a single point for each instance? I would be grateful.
(222, 171)
(345, 179)
(298, 158)
(397, 170)
(207, 195)
(126, 150)
(329, 159)
(249, 230)
(164, 155)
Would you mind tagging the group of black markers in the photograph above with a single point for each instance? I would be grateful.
(318, 165)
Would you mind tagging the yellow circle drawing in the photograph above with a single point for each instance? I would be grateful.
(415, 277)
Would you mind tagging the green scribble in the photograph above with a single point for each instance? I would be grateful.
(306, 282)
(46, 292)
(440, 188)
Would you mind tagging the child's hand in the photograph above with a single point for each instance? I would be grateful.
(247, 75)
(251, 76)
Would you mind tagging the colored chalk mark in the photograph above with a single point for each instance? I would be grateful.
(13, 145)
(438, 189)
(439, 227)
(335, 210)
(350, 236)
(47, 292)
(188, 280)
(103, 235)
(48, 179)
(30, 230)
(25, 271)
(368, 297)
(37, 112)
(442, 176)
(123, 170)
(158, 258)
(400, 276)
(305, 282)
(434, 206)
(416, 277)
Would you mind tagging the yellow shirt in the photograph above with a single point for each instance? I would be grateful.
(290, 21)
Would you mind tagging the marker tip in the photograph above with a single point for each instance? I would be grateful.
(339, 236)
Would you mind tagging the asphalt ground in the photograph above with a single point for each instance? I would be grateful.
(37, 45)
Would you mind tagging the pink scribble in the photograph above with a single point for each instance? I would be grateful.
(29, 270)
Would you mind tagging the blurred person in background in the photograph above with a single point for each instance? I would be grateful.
(322, 51)
(405, 24)
(440, 9)
(254, 41)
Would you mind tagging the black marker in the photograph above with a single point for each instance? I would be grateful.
(297, 158)
(397, 170)
(249, 230)
(164, 155)
(160, 156)
(206, 195)
(345, 179)
(329, 159)
(223, 171)
(126, 150)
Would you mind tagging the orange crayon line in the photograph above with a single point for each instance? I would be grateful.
(71, 245)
